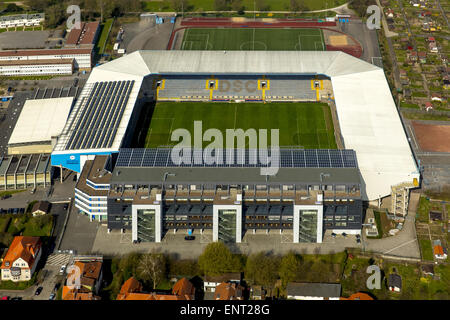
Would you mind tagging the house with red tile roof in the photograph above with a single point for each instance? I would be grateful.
(229, 291)
(89, 283)
(358, 296)
(132, 290)
(21, 259)
(439, 252)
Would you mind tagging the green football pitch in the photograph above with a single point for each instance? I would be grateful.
(308, 125)
(253, 39)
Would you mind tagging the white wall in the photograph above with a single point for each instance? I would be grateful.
(238, 208)
(158, 220)
(319, 209)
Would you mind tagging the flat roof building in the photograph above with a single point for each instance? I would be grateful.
(314, 190)
(37, 67)
(82, 56)
(22, 171)
(39, 124)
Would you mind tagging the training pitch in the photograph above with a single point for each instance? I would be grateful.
(308, 125)
(253, 39)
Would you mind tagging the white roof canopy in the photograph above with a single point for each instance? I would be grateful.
(367, 114)
(40, 120)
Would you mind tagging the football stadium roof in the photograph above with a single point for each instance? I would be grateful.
(367, 114)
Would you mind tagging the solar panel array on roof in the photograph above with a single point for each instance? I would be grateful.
(289, 158)
(97, 126)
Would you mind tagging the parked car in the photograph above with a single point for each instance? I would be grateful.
(4, 298)
(52, 296)
(16, 298)
(62, 269)
(189, 238)
(66, 206)
(6, 196)
(38, 291)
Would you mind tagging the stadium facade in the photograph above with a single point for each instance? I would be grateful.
(149, 194)
(104, 117)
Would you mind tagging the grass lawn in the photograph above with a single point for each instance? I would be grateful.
(104, 35)
(9, 193)
(424, 116)
(300, 124)
(425, 248)
(253, 39)
(208, 5)
(28, 225)
(9, 285)
(379, 225)
(4, 221)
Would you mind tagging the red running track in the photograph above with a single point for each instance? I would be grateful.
(354, 50)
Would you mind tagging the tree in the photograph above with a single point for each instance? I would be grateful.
(152, 267)
(237, 5)
(12, 7)
(289, 268)
(180, 5)
(222, 5)
(294, 5)
(216, 259)
(127, 264)
(262, 269)
(261, 5)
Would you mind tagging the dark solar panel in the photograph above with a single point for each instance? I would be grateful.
(101, 116)
(289, 158)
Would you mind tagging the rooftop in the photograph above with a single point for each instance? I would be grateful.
(84, 35)
(367, 114)
(34, 62)
(22, 247)
(325, 290)
(40, 120)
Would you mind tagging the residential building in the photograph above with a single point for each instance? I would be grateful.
(422, 56)
(88, 285)
(358, 296)
(21, 20)
(229, 291)
(21, 259)
(40, 208)
(411, 56)
(132, 290)
(436, 97)
(395, 282)
(210, 283)
(82, 56)
(439, 252)
(313, 291)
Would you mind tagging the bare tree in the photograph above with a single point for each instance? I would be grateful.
(151, 267)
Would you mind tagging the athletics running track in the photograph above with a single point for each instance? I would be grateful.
(354, 50)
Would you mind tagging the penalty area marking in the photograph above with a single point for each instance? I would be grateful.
(263, 45)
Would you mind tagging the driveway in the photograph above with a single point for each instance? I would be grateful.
(404, 243)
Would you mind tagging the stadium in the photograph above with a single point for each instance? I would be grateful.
(342, 143)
